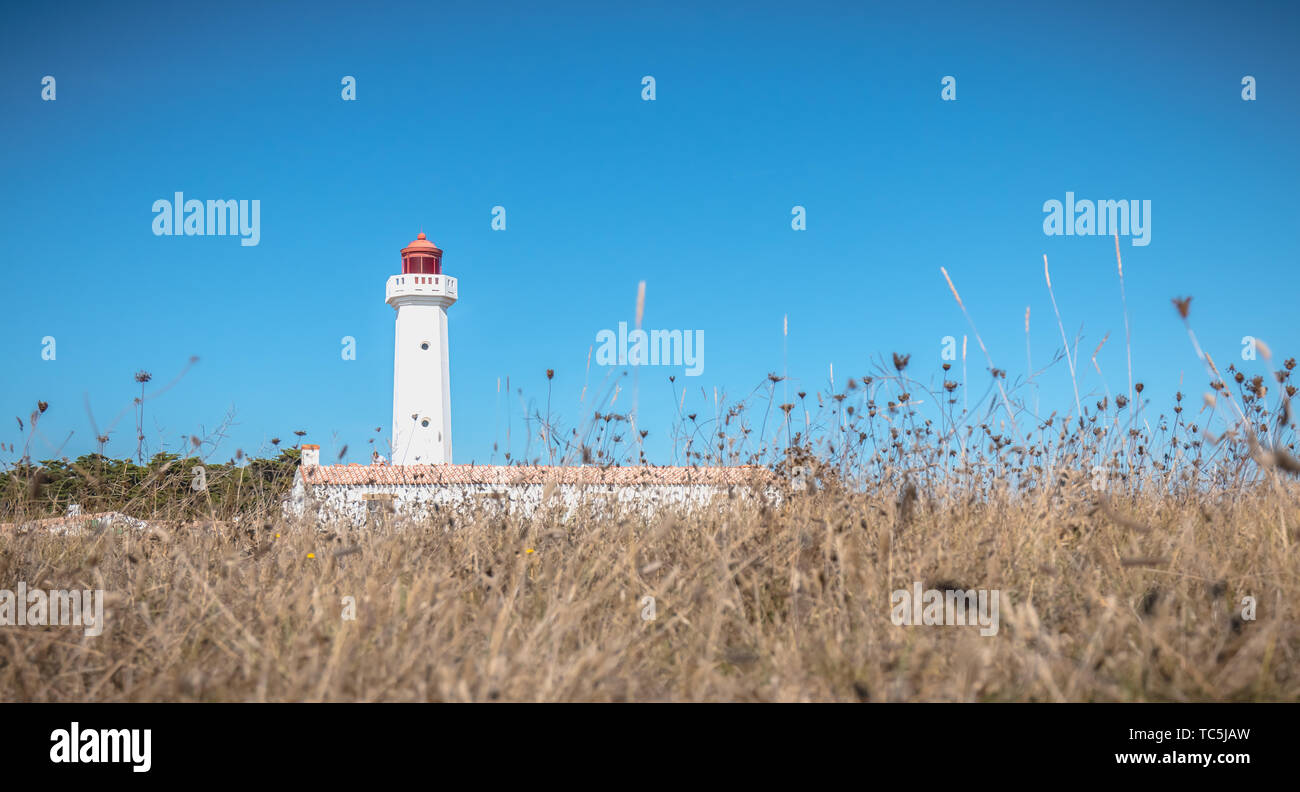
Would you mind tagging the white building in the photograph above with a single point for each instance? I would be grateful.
(357, 494)
(422, 478)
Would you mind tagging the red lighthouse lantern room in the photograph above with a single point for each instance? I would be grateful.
(421, 257)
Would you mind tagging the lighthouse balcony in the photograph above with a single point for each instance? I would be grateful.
(421, 285)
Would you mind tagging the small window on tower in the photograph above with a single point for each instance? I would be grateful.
(425, 422)
(425, 345)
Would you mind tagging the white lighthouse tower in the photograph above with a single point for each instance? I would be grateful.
(421, 294)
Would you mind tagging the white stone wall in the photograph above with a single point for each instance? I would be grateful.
(348, 504)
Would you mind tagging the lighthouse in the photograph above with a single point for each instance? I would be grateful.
(422, 479)
(421, 295)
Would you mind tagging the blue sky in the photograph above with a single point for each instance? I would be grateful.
(759, 107)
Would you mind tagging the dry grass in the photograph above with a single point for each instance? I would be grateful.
(1136, 600)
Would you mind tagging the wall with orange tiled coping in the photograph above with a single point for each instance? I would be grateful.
(340, 497)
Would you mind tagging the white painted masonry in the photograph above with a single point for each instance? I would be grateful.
(421, 368)
(357, 495)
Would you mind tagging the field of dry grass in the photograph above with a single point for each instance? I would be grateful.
(1135, 599)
